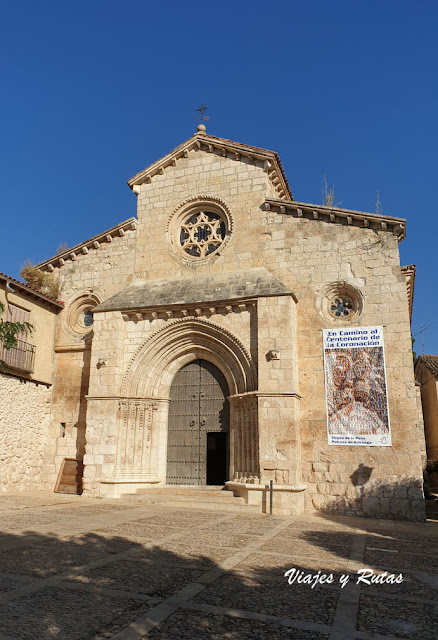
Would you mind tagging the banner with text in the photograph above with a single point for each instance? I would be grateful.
(355, 387)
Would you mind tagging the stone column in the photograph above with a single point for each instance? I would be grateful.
(244, 439)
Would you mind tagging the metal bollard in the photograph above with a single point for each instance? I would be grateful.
(271, 496)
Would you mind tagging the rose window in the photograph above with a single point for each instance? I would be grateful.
(202, 234)
(341, 307)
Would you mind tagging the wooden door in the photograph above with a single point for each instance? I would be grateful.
(198, 406)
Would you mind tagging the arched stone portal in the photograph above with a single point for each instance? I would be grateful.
(146, 393)
(152, 369)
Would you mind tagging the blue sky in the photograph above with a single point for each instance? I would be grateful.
(94, 91)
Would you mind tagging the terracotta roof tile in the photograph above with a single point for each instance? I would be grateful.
(31, 290)
(431, 362)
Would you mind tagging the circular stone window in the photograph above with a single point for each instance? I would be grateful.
(79, 314)
(340, 301)
(87, 318)
(202, 234)
(199, 229)
(341, 306)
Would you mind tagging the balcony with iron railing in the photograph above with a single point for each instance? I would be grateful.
(22, 356)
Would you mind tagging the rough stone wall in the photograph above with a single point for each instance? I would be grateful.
(24, 426)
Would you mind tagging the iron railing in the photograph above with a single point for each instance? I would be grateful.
(22, 356)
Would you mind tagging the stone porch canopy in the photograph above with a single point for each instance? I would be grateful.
(203, 290)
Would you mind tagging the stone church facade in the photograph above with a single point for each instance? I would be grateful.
(190, 347)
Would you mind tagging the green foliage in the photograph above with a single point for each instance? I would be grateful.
(40, 280)
(9, 332)
(414, 355)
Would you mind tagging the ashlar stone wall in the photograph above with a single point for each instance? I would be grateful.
(92, 277)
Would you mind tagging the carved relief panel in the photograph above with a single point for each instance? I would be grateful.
(135, 440)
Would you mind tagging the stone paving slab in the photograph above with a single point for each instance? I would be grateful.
(138, 531)
(418, 587)
(271, 597)
(214, 537)
(131, 575)
(216, 627)
(183, 518)
(413, 544)
(93, 569)
(387, 617)
(401, 561)
(187, 554)
(70, 615)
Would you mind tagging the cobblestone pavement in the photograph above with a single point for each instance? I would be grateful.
(73, 568)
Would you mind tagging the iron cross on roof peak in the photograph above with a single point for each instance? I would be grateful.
(202, 118)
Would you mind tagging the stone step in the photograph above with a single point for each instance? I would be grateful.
(238, 504)
(68, 488)
(148, 496)
(192, 493)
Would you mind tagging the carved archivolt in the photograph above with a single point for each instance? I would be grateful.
(151, 370)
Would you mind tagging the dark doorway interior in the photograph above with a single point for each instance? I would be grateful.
(217, 451)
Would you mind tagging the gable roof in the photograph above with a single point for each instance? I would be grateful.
(431, 362)
(227, 148)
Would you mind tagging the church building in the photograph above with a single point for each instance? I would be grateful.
(229, 336)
